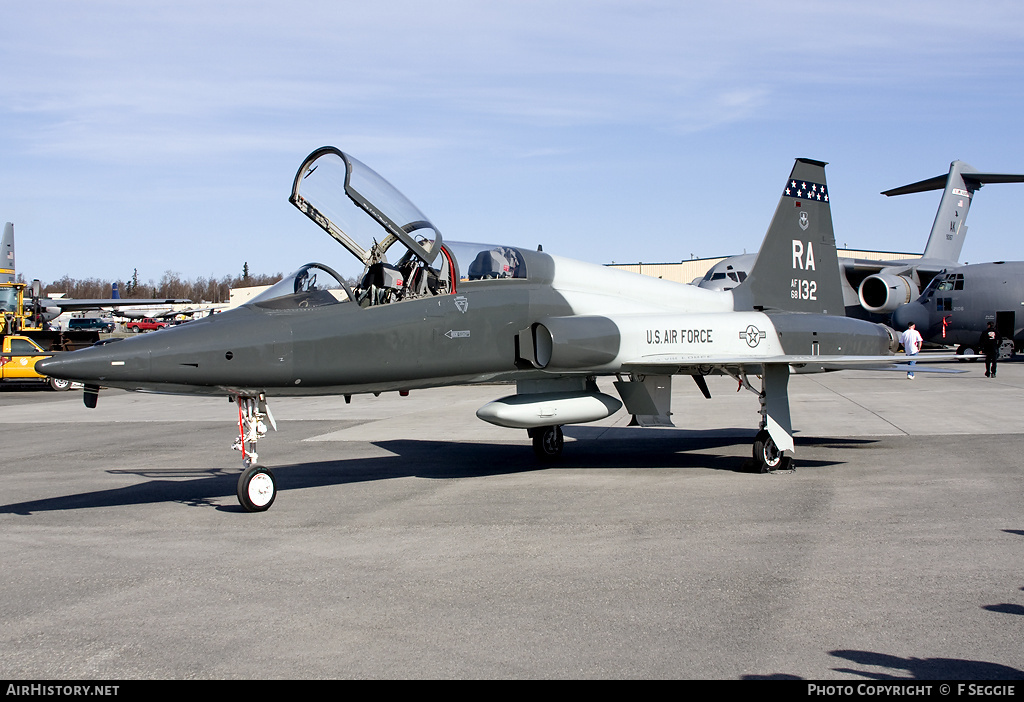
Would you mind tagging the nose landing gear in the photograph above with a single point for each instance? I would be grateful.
(257, 487)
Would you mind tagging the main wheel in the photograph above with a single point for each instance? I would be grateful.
(966, 350)
(60, 384)
(256, 489)
(548, 442)
(767, 456)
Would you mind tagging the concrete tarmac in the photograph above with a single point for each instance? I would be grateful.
(411, 540)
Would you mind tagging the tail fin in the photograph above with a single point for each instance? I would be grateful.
(115, 291)
(7, 254)
(796, 268)
(949, 230)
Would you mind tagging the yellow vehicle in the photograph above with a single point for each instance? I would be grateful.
(18, 363)
(24, 313)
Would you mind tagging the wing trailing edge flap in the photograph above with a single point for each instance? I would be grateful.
(688, 365)
(649, 400)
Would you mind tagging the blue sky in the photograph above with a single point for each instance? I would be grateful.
(164, 136)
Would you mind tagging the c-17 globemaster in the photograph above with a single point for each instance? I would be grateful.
(449, 314)
(876, 289)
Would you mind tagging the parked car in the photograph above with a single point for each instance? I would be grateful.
(91, 324)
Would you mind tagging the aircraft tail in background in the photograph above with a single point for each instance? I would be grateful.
(7, 270)
(949, 230)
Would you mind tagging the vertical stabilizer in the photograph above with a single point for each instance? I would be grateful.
(7, 255)
(796, 268)
(115, 293)
(949, 229)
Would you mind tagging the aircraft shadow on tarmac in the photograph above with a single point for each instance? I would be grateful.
(912, 668)
(429, 459)
(1008, 607)
(925, 668)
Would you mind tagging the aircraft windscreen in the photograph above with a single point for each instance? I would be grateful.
(313, 285)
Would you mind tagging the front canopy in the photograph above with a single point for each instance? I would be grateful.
(313, 285)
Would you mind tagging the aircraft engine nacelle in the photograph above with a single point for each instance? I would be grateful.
(572, 342)
(882, 293)
(894, 337)
(549, 408)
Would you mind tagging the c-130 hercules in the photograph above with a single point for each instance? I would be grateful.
(452, 314)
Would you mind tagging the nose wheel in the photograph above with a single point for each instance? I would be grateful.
(256, 488)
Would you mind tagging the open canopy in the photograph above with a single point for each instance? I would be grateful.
(353, 204)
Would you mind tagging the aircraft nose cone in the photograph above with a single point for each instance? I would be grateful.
(911, 312)
(96, 363)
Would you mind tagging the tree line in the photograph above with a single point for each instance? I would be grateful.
(171, 285)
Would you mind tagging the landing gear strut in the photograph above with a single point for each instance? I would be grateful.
(776, 425)
(257, 488)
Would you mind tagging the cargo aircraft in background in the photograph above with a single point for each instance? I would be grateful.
(958, 304)
(44, 309)
(440, 313)
(875, 289)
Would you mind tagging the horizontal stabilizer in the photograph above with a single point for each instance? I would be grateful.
(973, 181)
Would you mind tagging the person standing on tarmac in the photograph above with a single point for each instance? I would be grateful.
(912, 341)
(989, 343)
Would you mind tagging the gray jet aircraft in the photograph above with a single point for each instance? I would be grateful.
(958, 304)
(449, 314)
(875, 289)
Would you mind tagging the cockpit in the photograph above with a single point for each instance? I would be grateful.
(372, 220)
(313, 285)
(944, 282)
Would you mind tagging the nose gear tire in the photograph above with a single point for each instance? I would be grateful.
(257, 489)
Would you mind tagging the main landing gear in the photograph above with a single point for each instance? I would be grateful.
(547, 442)
(774, 400)
(767, 456)
(257, 488)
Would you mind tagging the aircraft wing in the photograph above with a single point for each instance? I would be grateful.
(688, 364)
(75, 304)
